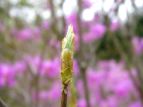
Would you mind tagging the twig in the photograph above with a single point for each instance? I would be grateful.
(64, 95)
(63, 17)
(2, 103)
(82, 68)
(54, 21)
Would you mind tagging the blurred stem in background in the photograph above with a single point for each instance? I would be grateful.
(38, 75)
(80, 59)
(2, 103)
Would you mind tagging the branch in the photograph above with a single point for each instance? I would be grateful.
(2, 103)
(82, 68)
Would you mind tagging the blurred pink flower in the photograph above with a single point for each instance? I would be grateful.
(75, 68)
(51, 95)
(43, 95)
(124, 89)
(81, 103)
(98, 29)
(103, 103)
(137, 45)
(96, 32)
(112, 101)
(51, 68)
(79, 87)
(72, 19)
(28, 34)
(20, 66)
(46, 67)
(36, 33)
(45, 25)
(54, 43)
(7, 75)
(95, 78)
(55, 92)
(114, 26)
(136, 104)
(86, 3)
(76, 42)
(110, 78)
(25, 34)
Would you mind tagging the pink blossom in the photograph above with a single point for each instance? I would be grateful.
(86, 3)
(20, 66)
(80, 89)
(72, 19)
(81, 103)
(98, 29)
(43, 95)
(7, 75)
(51, 68)
(54, 43)
(95, 78)
(45, 25)
(103, 104)
(123, 88)
(136, 104)
(75, 68)
(96, 32)
(55, 92)
(28, 34)
(114, 26)
(112, 101)
(137, 45)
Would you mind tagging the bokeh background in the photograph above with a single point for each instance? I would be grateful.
(108, 57)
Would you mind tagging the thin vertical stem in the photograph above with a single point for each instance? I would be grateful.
(80, 59)
(54, 19)
(38, 75)
(63, 18)
(64, 95)
(85, 86)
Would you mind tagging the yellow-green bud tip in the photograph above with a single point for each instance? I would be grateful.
(68, 41)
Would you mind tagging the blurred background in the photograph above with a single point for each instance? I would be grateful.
(108, 69)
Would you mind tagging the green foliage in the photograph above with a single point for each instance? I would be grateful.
(139, 26)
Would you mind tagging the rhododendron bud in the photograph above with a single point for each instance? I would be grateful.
(67, 54)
